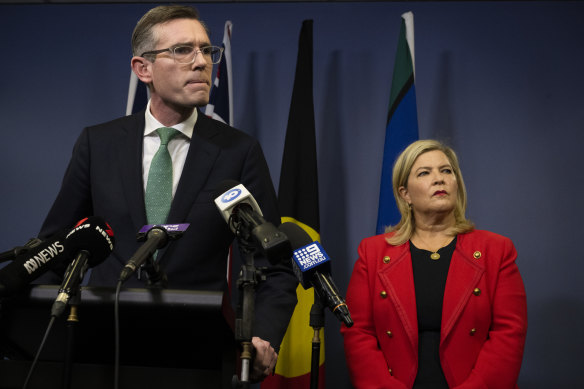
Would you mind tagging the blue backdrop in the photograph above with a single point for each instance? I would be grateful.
(502, 82)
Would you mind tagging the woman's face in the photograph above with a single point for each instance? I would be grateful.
(431, 186)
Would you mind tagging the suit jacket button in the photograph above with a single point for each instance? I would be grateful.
(476, 292)
(389, 334)
(383, 294)
(390, 371)
(477, 255)
(473, 331)
(386, 259)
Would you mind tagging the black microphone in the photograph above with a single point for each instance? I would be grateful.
(156, 237)
(30, 265)
(91, 241)
(245, 219)
(311, 264)
(16, 251)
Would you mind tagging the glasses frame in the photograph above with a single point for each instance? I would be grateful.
(197, 51)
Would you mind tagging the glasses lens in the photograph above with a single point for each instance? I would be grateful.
(187, 54)
(183, 54)
(214, 53)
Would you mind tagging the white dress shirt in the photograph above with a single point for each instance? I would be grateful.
(178, 147)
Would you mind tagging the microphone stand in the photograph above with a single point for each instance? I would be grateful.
(156, 276)
(249, 277)
(316, 322)
(72, 323)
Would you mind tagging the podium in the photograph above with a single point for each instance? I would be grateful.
(167, 338)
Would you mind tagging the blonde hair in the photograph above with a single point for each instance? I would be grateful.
(401, 171)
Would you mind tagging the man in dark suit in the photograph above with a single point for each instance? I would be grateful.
(108, 176)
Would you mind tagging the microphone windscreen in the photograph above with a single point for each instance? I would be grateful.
(29, 266)
(296, 235)
(94, 235)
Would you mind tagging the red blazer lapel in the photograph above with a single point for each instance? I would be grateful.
(463, 275)
(398, 280)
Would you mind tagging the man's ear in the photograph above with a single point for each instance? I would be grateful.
(142, 68)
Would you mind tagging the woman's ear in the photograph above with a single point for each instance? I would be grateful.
(403, 193)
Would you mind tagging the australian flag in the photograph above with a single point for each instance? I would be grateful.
(220, 105)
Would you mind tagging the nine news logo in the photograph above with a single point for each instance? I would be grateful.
(231, 195)
(310, 256)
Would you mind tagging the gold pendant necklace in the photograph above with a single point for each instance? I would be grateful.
(434, 254)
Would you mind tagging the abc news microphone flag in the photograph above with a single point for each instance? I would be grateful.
(402, 120)
(298, 202)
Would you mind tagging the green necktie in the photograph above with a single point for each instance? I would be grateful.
(158, 195)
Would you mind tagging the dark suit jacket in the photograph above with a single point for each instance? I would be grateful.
(104, 178)
(484, 315)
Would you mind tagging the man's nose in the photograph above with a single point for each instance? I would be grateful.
(200, 61)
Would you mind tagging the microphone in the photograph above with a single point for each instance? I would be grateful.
(91, 241)
(311, 264)
(30, 265)
(245, 219)
(156, 237)
(16, 251)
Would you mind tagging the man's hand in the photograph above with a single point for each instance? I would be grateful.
(264, 361)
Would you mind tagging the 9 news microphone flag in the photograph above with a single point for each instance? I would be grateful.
(298, 202)
(402, 120)
(220, 105)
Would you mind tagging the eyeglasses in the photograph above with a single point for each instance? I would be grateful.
(187, 54)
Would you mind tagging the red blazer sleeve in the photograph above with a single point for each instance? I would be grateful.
(365, 360)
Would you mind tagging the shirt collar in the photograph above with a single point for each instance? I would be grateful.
(186, 127)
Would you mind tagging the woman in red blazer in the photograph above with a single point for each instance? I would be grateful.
(435, 303)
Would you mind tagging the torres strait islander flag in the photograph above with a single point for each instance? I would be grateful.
(402, 120)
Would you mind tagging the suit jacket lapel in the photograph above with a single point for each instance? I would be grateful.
(200, 160)
(130, 164)
(398, 279)
(463, 275)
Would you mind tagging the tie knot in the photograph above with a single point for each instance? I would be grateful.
(166, 134)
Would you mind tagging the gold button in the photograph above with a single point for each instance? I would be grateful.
(383, 294)
(390, 371)
(386, 259)
(389, 334)
(473, 331)
(477, 255)
(476, 292)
